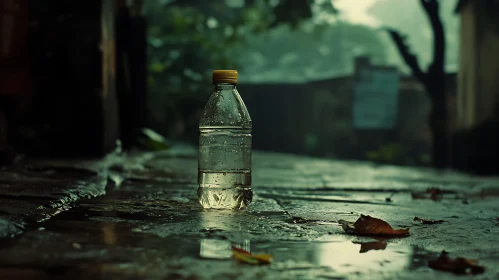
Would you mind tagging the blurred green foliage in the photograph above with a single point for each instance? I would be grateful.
(395, 153)
(268, 40)
(189, 38)
(315, 50)
(392, 152)
(152, 141)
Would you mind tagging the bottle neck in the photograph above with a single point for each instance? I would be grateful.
(224, 86)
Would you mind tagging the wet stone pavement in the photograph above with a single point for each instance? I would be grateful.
(137, 217)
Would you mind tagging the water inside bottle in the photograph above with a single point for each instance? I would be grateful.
(225, 190)
(225, 168)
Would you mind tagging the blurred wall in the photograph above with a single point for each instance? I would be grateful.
(316, 118)
(476, 138)
(479, 64)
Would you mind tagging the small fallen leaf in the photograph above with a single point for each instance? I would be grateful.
(151, 140)
(367, 225)
(434, 191)
(246, 257)
(458, 265)
(430, 193)
(299, 220)
(427, 221)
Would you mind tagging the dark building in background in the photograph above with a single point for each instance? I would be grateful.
(15, 77)
(71, 71)
(72, 56)
(276, 111)
(317, 118)
(131, 64)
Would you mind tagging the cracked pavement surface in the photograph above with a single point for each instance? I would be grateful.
(137, 217)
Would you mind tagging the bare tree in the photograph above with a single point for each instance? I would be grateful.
(433, 80)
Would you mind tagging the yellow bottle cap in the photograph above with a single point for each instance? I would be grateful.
(225, 76)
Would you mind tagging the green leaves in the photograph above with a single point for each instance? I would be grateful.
(152, 141)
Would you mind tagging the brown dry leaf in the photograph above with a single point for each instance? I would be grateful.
(431, 193)
(246, 257)
(458, 265)
(367, 225)
(427, 221)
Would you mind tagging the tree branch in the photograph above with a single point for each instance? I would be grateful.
(432, 11)
(409, 58)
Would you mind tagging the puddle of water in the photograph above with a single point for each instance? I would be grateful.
(344, 257)
(209, 241)
(215, 249)
(220, 249)
(126, 221)
(274, 215)
(373, 245)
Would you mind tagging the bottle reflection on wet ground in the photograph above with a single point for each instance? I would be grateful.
(225, 147)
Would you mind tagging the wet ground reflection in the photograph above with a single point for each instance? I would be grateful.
(340, 256)
(215, 249)
(374, 245)
(220, 249)
(144, 229)
(345, 256)
(211, 239)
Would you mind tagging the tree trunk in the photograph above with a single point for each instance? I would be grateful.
(434, 82)
(439, 127)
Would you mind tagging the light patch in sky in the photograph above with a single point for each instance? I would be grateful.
(355, 11)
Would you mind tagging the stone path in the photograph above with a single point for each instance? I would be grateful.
(138, 218)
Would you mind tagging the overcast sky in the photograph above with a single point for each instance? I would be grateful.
(355, 11)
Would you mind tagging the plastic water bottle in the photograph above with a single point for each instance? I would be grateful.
(224, 166)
